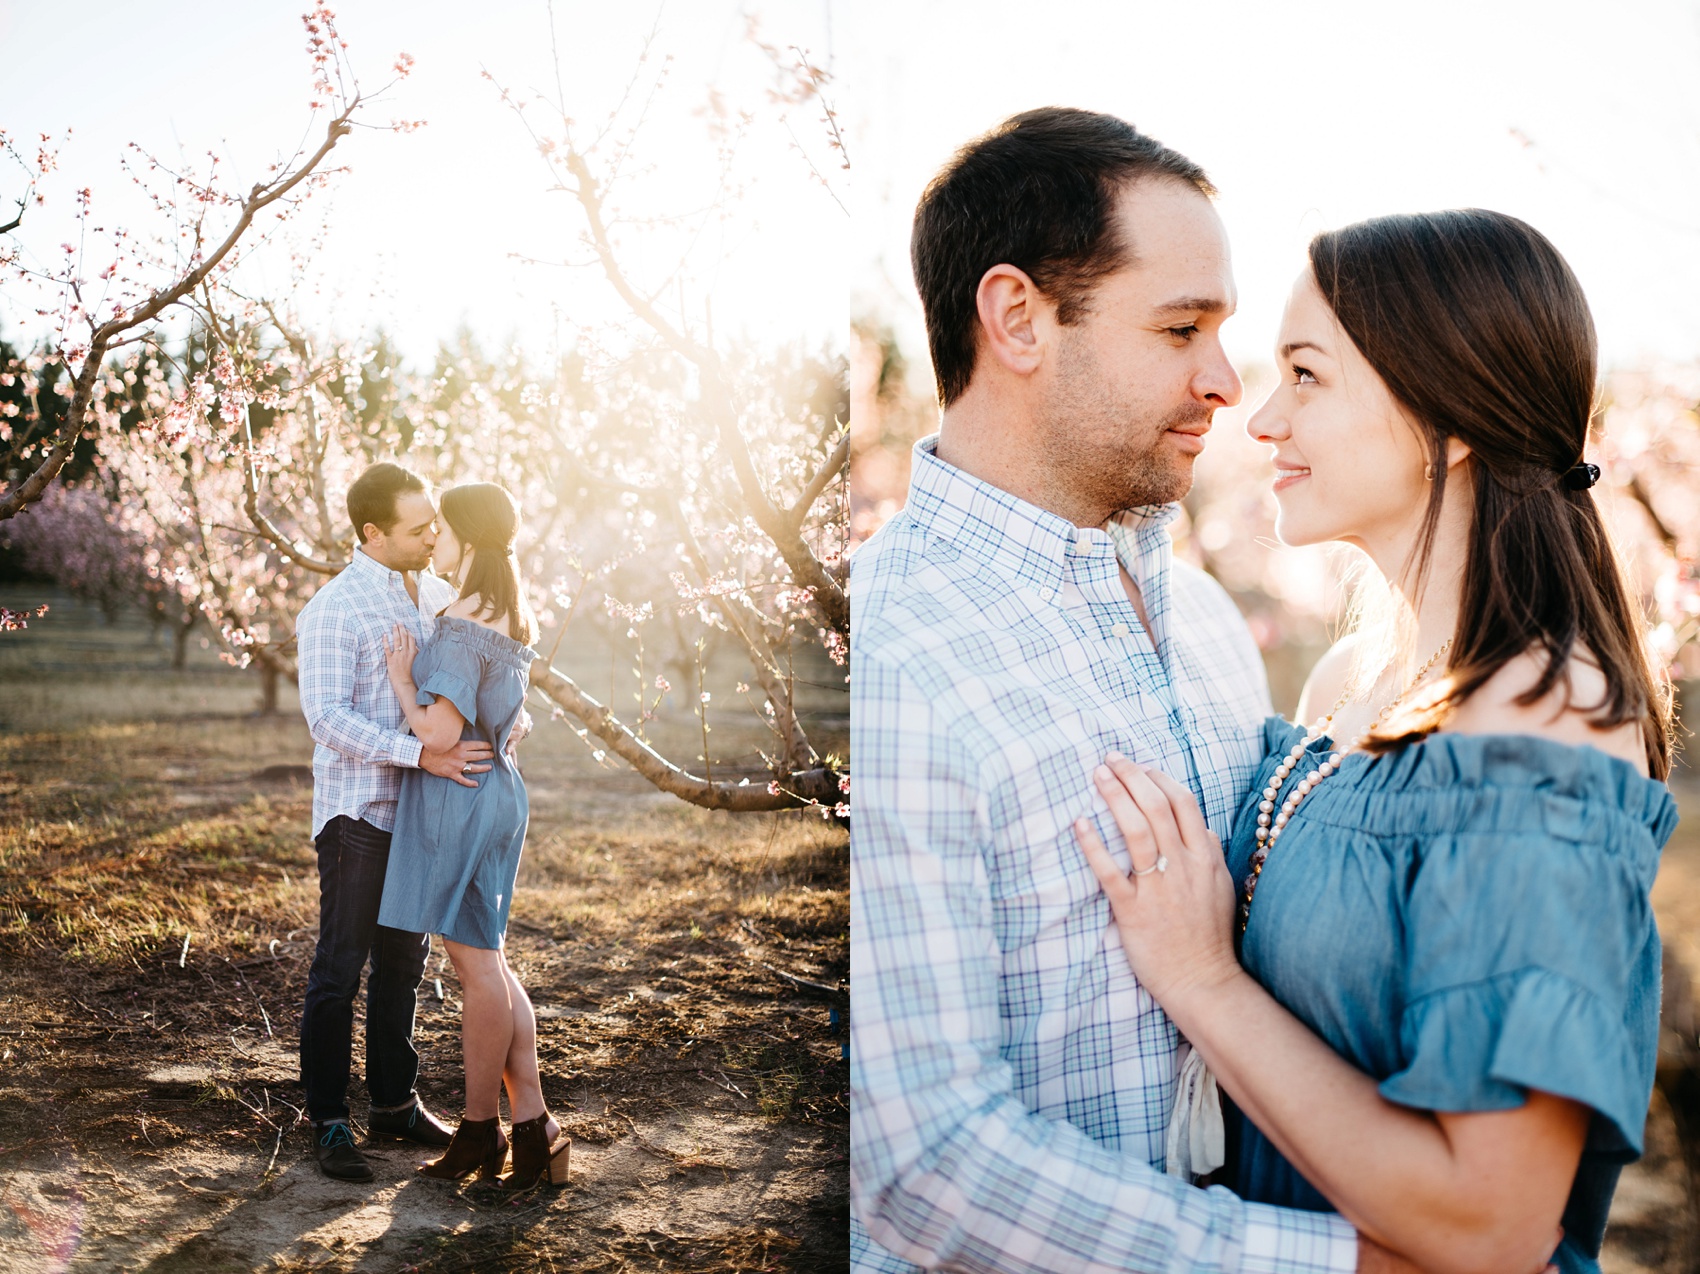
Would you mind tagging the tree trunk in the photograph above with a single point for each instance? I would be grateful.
(180, 642)
(1678, 1078)
(268, 690)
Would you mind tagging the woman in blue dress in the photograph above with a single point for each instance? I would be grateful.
(455, 851)
(1442, 1019)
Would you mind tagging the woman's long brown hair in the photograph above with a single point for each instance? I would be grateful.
(485, 517)
(1481, 332)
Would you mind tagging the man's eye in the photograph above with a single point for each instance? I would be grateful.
(1184, 333)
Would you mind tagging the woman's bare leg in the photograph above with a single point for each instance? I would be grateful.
(525, 1089)
(487, 1020)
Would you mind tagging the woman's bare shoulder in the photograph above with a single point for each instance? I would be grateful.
(1560, 717)
(470, 607)
(1327, 680)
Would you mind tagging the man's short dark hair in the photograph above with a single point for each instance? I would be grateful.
(1038, 192)
(373, 496)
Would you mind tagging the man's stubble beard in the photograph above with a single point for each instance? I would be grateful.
(1109, 453)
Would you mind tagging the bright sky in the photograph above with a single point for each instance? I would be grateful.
(426, 225)
(1313, 115)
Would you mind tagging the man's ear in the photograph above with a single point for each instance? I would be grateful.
(1014, 316)
(368, 531)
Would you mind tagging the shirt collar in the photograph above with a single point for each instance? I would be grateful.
(365, 564)
(1006, 532)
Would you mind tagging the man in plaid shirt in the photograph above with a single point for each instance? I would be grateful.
(1022, 616)
(357, 727)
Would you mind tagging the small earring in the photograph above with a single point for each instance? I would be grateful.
(1428, 472)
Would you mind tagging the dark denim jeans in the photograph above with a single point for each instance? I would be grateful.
(352, 858)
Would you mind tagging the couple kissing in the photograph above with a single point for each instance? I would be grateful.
(413, 684)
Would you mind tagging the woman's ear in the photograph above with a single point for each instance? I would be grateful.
(1457, 451)
(1013, 315)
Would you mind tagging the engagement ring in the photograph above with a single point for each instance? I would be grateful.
(1162, 864)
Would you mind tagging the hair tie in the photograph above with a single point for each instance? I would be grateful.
(1580, 477)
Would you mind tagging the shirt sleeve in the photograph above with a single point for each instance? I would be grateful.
(947, 1166)
(326, 642)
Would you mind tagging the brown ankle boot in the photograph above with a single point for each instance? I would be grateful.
(477, 1146)
(535, 1158)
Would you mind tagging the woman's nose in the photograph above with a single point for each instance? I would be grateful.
(1268, 423)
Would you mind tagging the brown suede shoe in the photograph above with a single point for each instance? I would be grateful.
(413, 1124)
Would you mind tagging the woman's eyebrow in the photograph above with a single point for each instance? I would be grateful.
(1291, 347)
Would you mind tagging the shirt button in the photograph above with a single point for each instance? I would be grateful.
(1083, 545)
(1119, 629)
(1045, 594)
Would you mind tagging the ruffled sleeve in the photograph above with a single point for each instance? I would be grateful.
(1532, 961)
(451, 670)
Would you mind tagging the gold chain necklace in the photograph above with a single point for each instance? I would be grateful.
(1271, 822)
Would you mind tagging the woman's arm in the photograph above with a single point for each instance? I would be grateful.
(437, 727)
(1477, 1193)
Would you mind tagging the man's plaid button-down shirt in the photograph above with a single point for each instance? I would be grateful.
(357, 726)
(1010, 1078)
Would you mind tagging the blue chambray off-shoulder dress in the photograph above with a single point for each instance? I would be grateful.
(1466, 919)
(455, 851)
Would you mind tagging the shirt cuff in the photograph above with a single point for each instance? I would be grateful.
(1283, 1241)
(407, 751)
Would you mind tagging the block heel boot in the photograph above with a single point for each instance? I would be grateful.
(477, 1146)
(535, 1159)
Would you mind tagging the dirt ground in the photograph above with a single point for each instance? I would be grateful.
(157, 904)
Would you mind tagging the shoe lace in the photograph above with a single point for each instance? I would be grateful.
(336, 1135)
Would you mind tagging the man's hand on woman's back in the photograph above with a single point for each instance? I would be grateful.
(469, 756)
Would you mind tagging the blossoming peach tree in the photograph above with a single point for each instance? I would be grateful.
(741, 486)
(110, 298)
(684, 498)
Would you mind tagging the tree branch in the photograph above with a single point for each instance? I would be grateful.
(27, 492)
(806, 569)
(272, 533)
(1637, 491)
(796, 790)
(831, 467)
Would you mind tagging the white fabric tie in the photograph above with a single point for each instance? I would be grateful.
(1197, 1140)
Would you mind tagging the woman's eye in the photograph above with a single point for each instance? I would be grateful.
(1303, 376)
(1186, 332)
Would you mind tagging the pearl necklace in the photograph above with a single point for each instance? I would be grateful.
(1271, 822)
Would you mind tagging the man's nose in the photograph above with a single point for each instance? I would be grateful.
(1218, 383)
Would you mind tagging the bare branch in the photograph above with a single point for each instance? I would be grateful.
(819, 786)
(1637, 491)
